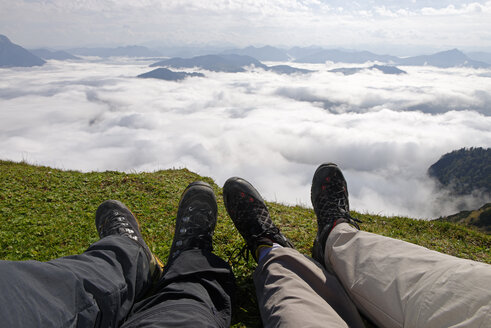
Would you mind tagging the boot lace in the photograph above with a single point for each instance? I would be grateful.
(116, 223)
(333, 205)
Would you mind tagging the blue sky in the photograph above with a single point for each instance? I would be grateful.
(387, 26)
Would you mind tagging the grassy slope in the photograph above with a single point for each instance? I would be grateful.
(476, 219)
(47, 213)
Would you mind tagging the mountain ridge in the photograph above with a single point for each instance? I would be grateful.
(464, 171)
(479, 219)
(13, 55)
(229, 63)
(443, 59)
(57, 55)
(317, 55)
(168, 75)
(313, 54)
(266, 53)
(382, 68)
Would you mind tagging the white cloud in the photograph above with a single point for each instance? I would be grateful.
(464, 9)
(60, 23)
(270, 129)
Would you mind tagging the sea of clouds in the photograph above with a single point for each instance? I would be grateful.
(384, 131)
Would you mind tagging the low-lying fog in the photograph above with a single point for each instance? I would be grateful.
(384, 131)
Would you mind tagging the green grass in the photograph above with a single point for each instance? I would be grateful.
(48, 213)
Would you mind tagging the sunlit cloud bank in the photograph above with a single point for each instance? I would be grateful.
(274, 130)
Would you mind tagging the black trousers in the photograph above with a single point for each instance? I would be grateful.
(104, 287)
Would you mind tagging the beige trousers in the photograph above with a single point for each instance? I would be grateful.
(394, 283)
(398, 284)
(295, 291)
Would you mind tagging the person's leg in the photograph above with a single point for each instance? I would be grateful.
(197, 288)
(196, 291)
(295, 291)
(395, 283)
(398, 284)
(292, 290)
(96, 288)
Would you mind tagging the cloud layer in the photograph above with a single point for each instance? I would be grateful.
(274, 130)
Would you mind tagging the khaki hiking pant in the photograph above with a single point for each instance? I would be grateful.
(392, 282)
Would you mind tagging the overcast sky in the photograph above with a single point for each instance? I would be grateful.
(384, 25)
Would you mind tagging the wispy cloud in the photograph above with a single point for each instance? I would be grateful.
(279, 22)
(383, 130)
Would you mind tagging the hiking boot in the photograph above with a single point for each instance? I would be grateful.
(250, 215)
(114, 218)
(329, 194)
(196, 219)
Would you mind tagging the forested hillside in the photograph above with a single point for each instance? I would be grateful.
(464, 170)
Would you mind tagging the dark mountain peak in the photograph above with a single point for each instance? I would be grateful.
(443, 59)
(243, 60)
(230, 63)
(268, 53)
(285, 69)
(251, 48)
(388, 69)
(12, 55)
(264, 48)
(345, 56)
(3, 38)
(168, 75)
(455, 50)
(57, 55)
(382, 68)
(453, 53)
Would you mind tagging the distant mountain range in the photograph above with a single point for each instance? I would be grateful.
(13, 55)
(484, 57)
(266, 53)
(354, 57)
(382, 68)
(215, 59)
(285, 69)
(444, 59)
(313, 55)
(226, 63)
(214, 63)
(168, 75)
(57, 55)
(128, 51)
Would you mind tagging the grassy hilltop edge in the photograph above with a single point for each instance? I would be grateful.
(47, 213)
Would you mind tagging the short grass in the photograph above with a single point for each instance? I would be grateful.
(47, 213)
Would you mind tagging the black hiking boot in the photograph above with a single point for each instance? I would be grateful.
(196, 220)
(329, 194)
(114, 218)
(250, 215)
